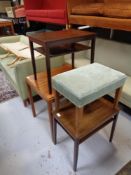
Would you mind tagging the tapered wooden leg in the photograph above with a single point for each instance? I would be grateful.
(12, 29)
(28, 101)
(76, 150)
(49, 104)
(113, 127)
(54, 131)
(68, 26)
(72, 56)
(25, 103)
(31, 100)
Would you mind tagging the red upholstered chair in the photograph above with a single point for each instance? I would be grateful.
(19, 11)
(48, 11)
(16, 11)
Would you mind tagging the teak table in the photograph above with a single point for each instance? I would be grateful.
(60, 43)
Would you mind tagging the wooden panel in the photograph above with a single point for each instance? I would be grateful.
(106, 22)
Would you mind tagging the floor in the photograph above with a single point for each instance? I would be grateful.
(26, 147)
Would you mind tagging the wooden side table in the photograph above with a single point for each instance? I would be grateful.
(60, 43)
(7, 23)
(40, 86)
(88, 112)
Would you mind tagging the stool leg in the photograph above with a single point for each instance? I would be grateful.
(76, 150)
(25, 103)
(12, 29)
(54, 131)
(113, 127)
(31, 100)
(49, 104)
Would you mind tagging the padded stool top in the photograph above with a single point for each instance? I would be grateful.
(88, 83)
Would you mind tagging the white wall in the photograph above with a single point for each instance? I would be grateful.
(111, 53)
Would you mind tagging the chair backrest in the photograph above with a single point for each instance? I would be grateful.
(19, 11)
(55, 4)
(45, 4)
(33, 4)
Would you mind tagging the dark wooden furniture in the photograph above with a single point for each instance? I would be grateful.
(81, 123)
(86, 111)
(60, 43)
(8, 24)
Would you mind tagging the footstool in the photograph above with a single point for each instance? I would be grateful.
(86, 110)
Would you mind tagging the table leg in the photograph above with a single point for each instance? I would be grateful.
(47, 58)
(76, 150)
(92, 50)
(113, 127)
(1, 32)
(31, 99)
(54, 131)
(33, 59)
(12, 29)
(49, 104)
(72, 56)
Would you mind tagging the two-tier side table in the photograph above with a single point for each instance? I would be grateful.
(59, 43)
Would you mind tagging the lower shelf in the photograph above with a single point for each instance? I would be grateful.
(64, 49)
(95, 115)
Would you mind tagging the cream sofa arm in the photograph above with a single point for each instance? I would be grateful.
(10, 39)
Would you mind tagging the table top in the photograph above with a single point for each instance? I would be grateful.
(71, 35)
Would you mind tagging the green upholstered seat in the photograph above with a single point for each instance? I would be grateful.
(88, 83)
